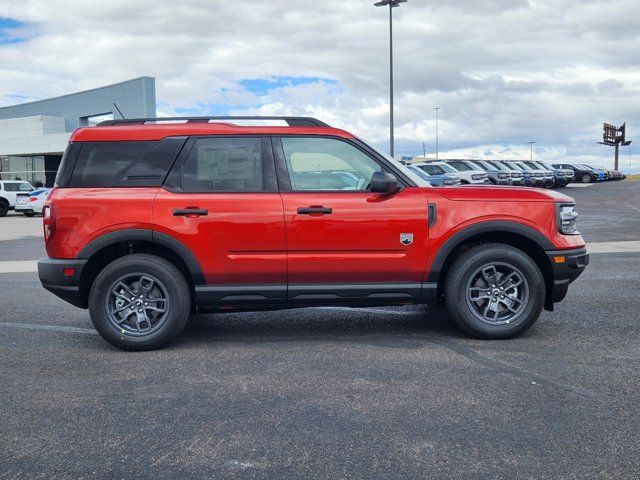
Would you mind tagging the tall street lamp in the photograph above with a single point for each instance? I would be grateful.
(436, 110)
(392, 4)
(531, 150)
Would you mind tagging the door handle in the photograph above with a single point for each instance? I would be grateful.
(186, 212)
(314, 209)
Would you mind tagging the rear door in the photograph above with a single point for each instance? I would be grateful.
(343, 241)
(221, 201)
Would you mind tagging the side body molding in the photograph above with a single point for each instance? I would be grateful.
(146, 235)
(495, 226)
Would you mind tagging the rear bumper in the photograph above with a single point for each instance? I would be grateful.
(567, 265)
(65, 286)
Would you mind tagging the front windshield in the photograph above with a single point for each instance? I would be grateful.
(499, 166)
(524, 166)
(447, 168)
(514, 166)
(419, 181)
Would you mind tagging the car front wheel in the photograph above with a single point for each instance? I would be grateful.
(139, 302)
(494, 291)
(586, 178)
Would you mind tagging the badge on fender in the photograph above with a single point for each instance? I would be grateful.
(406, 238)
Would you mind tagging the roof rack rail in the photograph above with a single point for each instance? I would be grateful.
(291, 121)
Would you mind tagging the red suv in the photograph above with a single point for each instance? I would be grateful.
(153, 219)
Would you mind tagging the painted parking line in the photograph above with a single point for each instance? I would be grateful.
(632, 246)
(580, 185)
(55, 328)
(18, 266)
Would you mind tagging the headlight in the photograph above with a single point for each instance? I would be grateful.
(503, 175)
(479, 176)
(567, 219)
(450, 181)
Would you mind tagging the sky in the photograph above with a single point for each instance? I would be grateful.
(502, 72)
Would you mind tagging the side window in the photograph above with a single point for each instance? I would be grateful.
(99, 163)
(229, 164)
(316, 163)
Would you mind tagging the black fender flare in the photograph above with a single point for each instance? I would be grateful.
(146, 235)
(493, 226)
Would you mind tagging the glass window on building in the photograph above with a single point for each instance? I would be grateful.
(30, 169)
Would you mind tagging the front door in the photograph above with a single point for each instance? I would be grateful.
(221, 202)
(343, 241)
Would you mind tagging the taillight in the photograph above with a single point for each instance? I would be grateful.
(33, 199)
(48, 221)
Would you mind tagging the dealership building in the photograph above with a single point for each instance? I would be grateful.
(33, 135)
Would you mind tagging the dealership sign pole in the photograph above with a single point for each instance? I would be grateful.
(614, 137)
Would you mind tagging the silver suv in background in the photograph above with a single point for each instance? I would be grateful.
(496, 175)
(549, 177)
(468, 171)
(516, 177)
(532, 177)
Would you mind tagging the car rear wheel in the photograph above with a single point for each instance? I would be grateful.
(4, 208)
(585, 178)
(139, 302)
(494, 291)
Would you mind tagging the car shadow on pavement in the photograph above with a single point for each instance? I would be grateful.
(321, 324)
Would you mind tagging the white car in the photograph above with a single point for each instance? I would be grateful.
(468, 171)
(32, 203)
(9, 190)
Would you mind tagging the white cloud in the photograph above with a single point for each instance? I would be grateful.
(503, 72)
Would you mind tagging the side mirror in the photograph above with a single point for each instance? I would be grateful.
(384, 182)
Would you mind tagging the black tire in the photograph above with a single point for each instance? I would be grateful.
(465, 269)
(586, 178)
(169, 282)
(4, 208)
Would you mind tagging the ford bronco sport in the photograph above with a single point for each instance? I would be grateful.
(154, 219)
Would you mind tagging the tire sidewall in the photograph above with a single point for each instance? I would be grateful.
(172, 280)
(470, 262)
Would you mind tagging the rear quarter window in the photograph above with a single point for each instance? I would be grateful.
(125, 164)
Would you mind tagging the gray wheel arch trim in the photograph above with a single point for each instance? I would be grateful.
(494, 226)
(146, 235)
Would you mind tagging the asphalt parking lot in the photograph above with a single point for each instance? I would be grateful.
(332, 392)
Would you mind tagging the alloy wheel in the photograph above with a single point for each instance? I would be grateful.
(137, 304)
(497, 293)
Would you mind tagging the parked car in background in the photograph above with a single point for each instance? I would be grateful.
(581, 173)
(32, 203)
(516, 176)
(603, 175)
(563, 176)
(531, 178)
(613, 174)
(549, 177)
(434, 174)
(9, 189)
(468, 171)
(495, 174)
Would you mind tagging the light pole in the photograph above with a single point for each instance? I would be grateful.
(392, 4)
(436, 110)
(531, 150)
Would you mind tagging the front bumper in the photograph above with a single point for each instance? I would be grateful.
(567, 265)
(66, 286)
